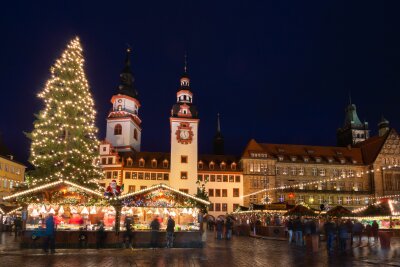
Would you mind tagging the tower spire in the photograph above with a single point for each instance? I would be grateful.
(126, 85)
(218, 139)
(185, 67)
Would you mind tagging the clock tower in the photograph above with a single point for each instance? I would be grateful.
(184, 124)
(123, 122)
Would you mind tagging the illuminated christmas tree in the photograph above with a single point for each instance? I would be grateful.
(64, 143)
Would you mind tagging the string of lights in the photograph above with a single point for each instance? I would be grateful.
(320, 181)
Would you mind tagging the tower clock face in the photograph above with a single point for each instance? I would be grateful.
(184, 133)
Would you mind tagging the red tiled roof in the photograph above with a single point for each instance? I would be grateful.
(372, 147)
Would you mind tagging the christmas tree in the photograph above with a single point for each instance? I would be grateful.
(64, 143)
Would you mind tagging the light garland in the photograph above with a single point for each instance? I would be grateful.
(161, 186)
(324, 181)
(14, 210)
(2, 211)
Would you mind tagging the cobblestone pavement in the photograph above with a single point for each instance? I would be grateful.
(241, 251)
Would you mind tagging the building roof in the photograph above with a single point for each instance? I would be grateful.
(371, 147)
(297, 153)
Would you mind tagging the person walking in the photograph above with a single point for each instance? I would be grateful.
(349, 225)
(170, 232)
(298, 229)
(342, 231)
(368, 231)
(219, 227)
(330, 229)
(228, 228)
(50, 235)
(128, 233)
(289, 226)
(155, 227)
(375, 230)
(357, 231)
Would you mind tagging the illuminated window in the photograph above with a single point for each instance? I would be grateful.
(233, 166)
(165, 163)
(223, 166)
(154, 163)
(184, 175)
(118, 129)
(212, 165)
(129, 162)
(314, 171)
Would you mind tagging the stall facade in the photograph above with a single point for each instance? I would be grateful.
(86, 218)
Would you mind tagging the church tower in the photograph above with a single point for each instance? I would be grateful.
(353, 131)
(184, 124)
(123, 122)
(218, 147)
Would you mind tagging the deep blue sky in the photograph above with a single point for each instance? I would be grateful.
(277, 71)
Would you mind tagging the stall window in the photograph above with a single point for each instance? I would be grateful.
(217, 206)
(218, 192)
(184, 175)
(224, 207)
(166, 176)
(237, 179)
(131, 188)
(210, 192)
(127, 175)
(224, 193)
(235, 192)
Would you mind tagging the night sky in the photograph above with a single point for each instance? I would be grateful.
(277, 71)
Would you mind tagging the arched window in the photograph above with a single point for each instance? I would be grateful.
(233, 166)
(223, 166)
(135, 134)
(165, 163)
(119, 107)
(211, 165)
(118, 129)
(154, 163)
(200, 165)
(141, 163)
(129, 162)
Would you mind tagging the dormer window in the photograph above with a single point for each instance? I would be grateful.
(200, 165)
(280, 158)
(330, 160)
(165, 164)
(343, 161)
(141, 162)
(154, 163)
(318, 159)
(294, 158)
(306, 159)
(129, 162)
(233, 166)
(212, 165)
(223, 166)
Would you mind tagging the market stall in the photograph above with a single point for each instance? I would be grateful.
(159, 202)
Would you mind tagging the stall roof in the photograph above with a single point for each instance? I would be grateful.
(50, 185)
(163, 186)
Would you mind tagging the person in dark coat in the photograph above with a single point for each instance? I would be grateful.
(349, 225)
(368, 231)
(330, 229)
(128, 233)
(155, 228)
(101, 235)
(298, 230)
(375, 230)
(357, 231)
(219, 228)
(170, 232)
(342, 232)
(289, 226)
(228, 228)
(50, 235)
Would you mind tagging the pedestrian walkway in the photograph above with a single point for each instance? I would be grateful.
(240, 251)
